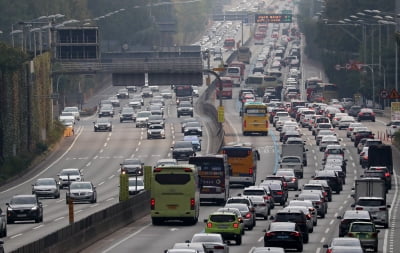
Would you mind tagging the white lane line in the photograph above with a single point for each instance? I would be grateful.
(390, 213)
(335, 215)
(78, 211)
(45, 205)
(101, 150)
(60, 200)
(94, 205)
(15, 236)
(101, 183)
(125, 239)
(109, 199)
(322, 240)
(331, 222)
(326, 230)
(38, 227)
(48, 167)
(110, 177)
(59, 219)
(318, 250)
(88, 164)
(260, 239)
(105, 144)
(95, 157)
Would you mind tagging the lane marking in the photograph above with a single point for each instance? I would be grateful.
(125, 239)
(38, 227)
(59, 219)
(15, 236)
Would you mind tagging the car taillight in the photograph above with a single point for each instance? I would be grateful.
(248, 215)
(192, 203)
(244, 123)
(318, 202)
(284, 184)
(279, 193)
(387, 174)
(209, 225)
(235, 225)
(359, 208)
(294, 179)
(308, 216)
(152, 204)
(269, 234)
(297, 234)
(219, 247)
(350, 129)
(266, 124)
(329, 251)
(251, 171)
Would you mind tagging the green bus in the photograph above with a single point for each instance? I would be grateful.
(175, 194)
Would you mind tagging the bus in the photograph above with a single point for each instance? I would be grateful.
(244, 54)
(227, 86)
(229, 44)
(243, 159)
(214, 172)
(311, 86)
(174, 194)
(329, 91)
(255, 118)
(259, 38)
(256, 82)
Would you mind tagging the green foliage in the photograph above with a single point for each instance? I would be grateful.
(11, 58)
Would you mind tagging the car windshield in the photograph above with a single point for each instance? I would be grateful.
(155, 127)
(143, 114)
(136, 182)
(291, 160)
(362, 227)
(206, 238)
(222, 218)
(242, 207)
(371, 202)
(183, 144)
(193, 124)
(45, 181)
(70, 172)
(131, 161)
(23, 200)
(80, 186)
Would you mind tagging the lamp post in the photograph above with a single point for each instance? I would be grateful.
(370, 67)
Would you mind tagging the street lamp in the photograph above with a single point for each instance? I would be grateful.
(370, 67)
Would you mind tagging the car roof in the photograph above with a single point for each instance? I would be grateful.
(348, 214)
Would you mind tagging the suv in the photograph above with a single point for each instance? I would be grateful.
(24, 207)
(182, 150)
(366, 232)
(392, 127)
(350, 216)
(385, 174)
(132, 166)
(295, 216)
(354, 110)
(67, 176)
(366, 114)
(332, 177)
(225, 223)
(184, 108)
(377, 207)
(279, 193)
(325, 185)
(127, 113)
(259, 191)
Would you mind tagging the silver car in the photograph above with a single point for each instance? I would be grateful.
(46, 187)
(261, 206)
(290, 177)
(81, 192)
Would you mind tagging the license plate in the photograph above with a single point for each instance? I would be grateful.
(21, 215)
(362, 236)
(282, 237)
(223, 226)
(173, 207)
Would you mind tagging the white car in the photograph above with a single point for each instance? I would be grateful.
(351, 128)
(212, 242)
(392, 127)
(67, 117)
(338, 116)
(345, 122)
(74, 110)
(328, 140)
(261, 206)
(66, 176)
(135, 185)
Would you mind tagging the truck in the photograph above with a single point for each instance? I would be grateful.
(369, 187)
(380, 155)
(293, 162)
(183, 92)
(295, 150)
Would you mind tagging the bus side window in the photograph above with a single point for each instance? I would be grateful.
(258, 155)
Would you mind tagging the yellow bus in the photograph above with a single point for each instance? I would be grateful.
(255, 118)
(174, 194)
(243, 159)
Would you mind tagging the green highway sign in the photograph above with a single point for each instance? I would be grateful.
(273, 18)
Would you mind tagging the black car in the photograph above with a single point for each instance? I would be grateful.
(354, 110)
(127, 114)
(350, 216)
(182, 150)
(296, 216)
(24, 207)
(132, 166)
(331, 177)
(362, 134)
(106, 111)
(279, 194)
(284, 234)
(102, 124)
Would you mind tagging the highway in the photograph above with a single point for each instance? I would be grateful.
(98, 154)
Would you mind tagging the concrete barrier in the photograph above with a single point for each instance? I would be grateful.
(85, 232)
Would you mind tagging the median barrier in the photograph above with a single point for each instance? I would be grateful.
(83, 233)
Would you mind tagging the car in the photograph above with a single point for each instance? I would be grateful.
(331, 177)
(344, 244)
(366, 114)
(123, 93)
(131, 88)
(141, 118)
(114, 101)
(328, 140)
(102, 124)
(356, 130)
(67, 116)
(132, 167)
(362, 134)
(155, 119)
(225, 223)
(392, 127)
(368, 142)
(74, 110)
(147, 92)
(278, 191)
(307, 212)
(323, 133)
(317, 200)
(187, 120)
(83, 191)
(166, 162)
(309, 186)
(296, 216)
(320, 126)
(3, 225)
(212, 242)
(196, 141)
(127, 114)
(377, 207)
(46, 187)
(283, 234)
(184, 108)
(290, 178)
(193, 128)
(248, 213)
(350, 216)
(267, 250)
(66, 176)
(136, 102)
(135, 185)
(166, 93)
(23, 208)
(366, 232)
(261, 206)
(354, 110)
(308, 204)
(187, 247)
(106, 111)
(324, 184)
(345, 122)
(264, 192)
(182, 150)
(383, 173)
(237, 213)
(351, 128)
(155, 131)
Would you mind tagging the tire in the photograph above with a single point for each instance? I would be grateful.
(300, 248)
(315, 223)
(10, 221)
(239, 240)
(156, 221)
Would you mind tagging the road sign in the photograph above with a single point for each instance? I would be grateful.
(273, 18)
(348, 66)
(393, 94)
(219, 69)
(221, 118)
(384, 94)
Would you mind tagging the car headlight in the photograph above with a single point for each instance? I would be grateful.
(9, 209)
(34, 208)
(162, 132)
(108, 125)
